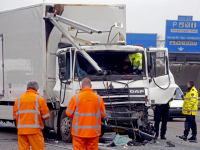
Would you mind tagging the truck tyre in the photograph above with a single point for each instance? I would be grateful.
(65, 127)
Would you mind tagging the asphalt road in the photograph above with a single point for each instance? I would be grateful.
(8, 139)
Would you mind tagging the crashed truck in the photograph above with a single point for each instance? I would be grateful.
(60, 44)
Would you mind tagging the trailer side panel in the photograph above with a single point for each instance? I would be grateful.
(23, 53)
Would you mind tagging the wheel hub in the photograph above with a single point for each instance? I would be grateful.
(65, 126)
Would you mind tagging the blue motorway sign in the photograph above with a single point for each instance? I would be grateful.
(182, 36)
(185, 18)
(145, 40)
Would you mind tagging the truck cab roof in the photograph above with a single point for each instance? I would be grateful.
(113, 47)
(108, 47)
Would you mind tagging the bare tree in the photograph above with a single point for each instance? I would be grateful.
(160, 41)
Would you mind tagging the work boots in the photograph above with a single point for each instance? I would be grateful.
(193, 138)
(156, 137)
(184, 137)
(163, 137)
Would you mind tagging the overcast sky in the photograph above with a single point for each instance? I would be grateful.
(142, 16)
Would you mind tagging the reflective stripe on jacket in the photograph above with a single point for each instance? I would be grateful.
(28, 111)
(87, 109)
(136, 60)
(169, 104)
(191, 102)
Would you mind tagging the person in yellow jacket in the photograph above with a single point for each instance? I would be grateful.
(134, 61)
(29, 110)
(190, 107)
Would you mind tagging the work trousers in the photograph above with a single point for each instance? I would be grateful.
(190, 122)
(161, 112)
(137, 71)
(36, 141)
(80, 143)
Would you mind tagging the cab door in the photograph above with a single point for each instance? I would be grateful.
(161, 80)
(64, 84)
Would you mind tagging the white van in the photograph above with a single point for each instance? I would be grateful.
(175, 110)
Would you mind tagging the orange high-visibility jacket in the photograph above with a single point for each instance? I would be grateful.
(28, 111)
(87, 109)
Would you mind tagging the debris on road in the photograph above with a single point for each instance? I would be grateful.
(170, 144)
(126, 142)
(117, 141)
(121, 140)
(135, 143)
(193, 141)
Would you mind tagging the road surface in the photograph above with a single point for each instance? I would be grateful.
(8, 138)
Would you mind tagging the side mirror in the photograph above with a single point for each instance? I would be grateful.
(62, 66)
(62, 60)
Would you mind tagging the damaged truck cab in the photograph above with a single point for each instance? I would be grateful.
(127, 96)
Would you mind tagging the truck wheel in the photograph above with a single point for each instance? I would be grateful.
(65, 127)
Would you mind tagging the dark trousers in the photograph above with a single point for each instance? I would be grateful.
(137, 71)
(190, 122)
(161, 112)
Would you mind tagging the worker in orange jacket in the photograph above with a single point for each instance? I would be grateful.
(29, 111)
(86, 109)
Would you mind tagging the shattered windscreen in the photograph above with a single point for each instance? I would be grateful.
(117, 63)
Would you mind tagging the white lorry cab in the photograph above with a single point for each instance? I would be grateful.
(60, 44)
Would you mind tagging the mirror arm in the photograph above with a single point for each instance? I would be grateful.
(167, 64)
(109, 33)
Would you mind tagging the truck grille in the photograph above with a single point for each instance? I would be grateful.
(120, 96)
(123, 99)
(106, 92)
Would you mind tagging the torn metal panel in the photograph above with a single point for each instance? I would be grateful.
(162, 84)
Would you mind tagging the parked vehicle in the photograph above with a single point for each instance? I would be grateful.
(176, 105)
(51, 44)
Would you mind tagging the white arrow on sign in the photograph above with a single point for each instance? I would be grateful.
(180, 48)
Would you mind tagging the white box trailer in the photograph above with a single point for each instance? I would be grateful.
(28, 46)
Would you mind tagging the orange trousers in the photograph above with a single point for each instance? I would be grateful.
(36, 141)
(80, 143)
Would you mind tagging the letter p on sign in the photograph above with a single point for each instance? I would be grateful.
(174, 24)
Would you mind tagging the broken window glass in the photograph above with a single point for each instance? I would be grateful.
(159, 65)
(111, 61)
